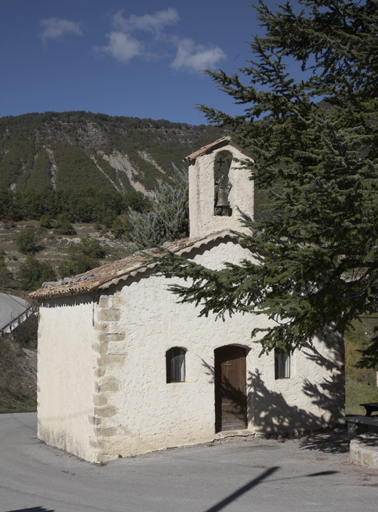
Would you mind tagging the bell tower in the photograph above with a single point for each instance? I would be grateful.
(221, 193)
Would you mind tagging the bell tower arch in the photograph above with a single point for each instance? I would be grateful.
(221, 193)
(222, 184)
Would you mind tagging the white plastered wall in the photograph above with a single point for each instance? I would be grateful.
(148, 414)
(66, 368)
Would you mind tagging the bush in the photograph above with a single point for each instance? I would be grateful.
(84, 256)
(45, 222)
(168, 218)
(6, 276)
(26, 242)
(33, 273)
(63, 225)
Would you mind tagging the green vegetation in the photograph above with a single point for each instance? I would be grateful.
(318, 164)
(18, 368)
(75, 166)
(63, 224)
(360, 383)
(168, 219)
(55, 178)
(40, 178)
(62, 151)
(84, 256)
(26, 242)
(6, 277)
(33, 273)
(78, 204)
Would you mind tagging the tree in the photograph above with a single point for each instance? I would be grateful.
(26, 242)
(63, 225)
(84, 256)
(314, 134)
(33, 273)
(168, 218)
(6, 276)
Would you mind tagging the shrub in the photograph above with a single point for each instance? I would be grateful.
(33, 273)
(26, 242)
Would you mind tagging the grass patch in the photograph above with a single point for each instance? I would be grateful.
(12, 402)
(360, 383)
(358, 393)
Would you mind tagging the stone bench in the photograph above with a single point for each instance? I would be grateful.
(364, 450)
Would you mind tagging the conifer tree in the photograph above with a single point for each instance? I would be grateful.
(309, 100)
(168, 218)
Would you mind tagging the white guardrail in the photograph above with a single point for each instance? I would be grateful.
(15, 322)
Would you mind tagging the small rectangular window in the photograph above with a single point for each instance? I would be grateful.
(282, 365)
(175, 360)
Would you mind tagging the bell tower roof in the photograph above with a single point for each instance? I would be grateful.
(209, 148)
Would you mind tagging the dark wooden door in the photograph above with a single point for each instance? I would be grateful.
(230, 389)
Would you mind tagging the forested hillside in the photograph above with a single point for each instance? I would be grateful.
(62, 151)
(67, 182)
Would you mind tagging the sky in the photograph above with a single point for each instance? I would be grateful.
(140, 58)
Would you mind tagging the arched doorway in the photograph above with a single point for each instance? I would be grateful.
(230, 388)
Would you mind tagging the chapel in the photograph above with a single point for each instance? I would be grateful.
(124, 369)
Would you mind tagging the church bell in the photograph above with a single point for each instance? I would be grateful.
(222, 199)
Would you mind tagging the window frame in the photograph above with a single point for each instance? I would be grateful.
(175, 360)
(282, 365)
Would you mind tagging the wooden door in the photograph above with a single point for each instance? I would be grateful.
(230, 389)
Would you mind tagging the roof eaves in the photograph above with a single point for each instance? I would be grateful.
(208, 149)
(179, 247)
(114, 272)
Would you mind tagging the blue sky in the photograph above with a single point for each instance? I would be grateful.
(141, 58)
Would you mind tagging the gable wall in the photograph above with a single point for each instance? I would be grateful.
(141, 412)
(66, 366)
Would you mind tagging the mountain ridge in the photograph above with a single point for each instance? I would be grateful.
(57, 151)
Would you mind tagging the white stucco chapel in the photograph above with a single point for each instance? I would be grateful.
(124, 369)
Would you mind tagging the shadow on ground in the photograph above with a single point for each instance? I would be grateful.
(34, 509)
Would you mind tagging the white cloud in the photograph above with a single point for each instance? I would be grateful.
(196, 57)
(54, 28)
(157, 43)
(122, 47)
(147, 23)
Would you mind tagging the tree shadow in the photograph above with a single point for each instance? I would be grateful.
(321, 425)
(323, 431)
(271, 413)
(33, 509)
(209, 370)
(368, 439)
(282, 419)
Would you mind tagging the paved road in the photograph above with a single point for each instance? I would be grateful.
(10, 308)
(241, 475)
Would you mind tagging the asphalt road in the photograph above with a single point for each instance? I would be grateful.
(10, 308)
(309, 474)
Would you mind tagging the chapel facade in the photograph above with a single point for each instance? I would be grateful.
(124, 369)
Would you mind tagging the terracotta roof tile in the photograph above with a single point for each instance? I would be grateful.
(205, 150)
(115, 271)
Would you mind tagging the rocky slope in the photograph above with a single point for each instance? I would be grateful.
(80, 149)
(18, 369)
